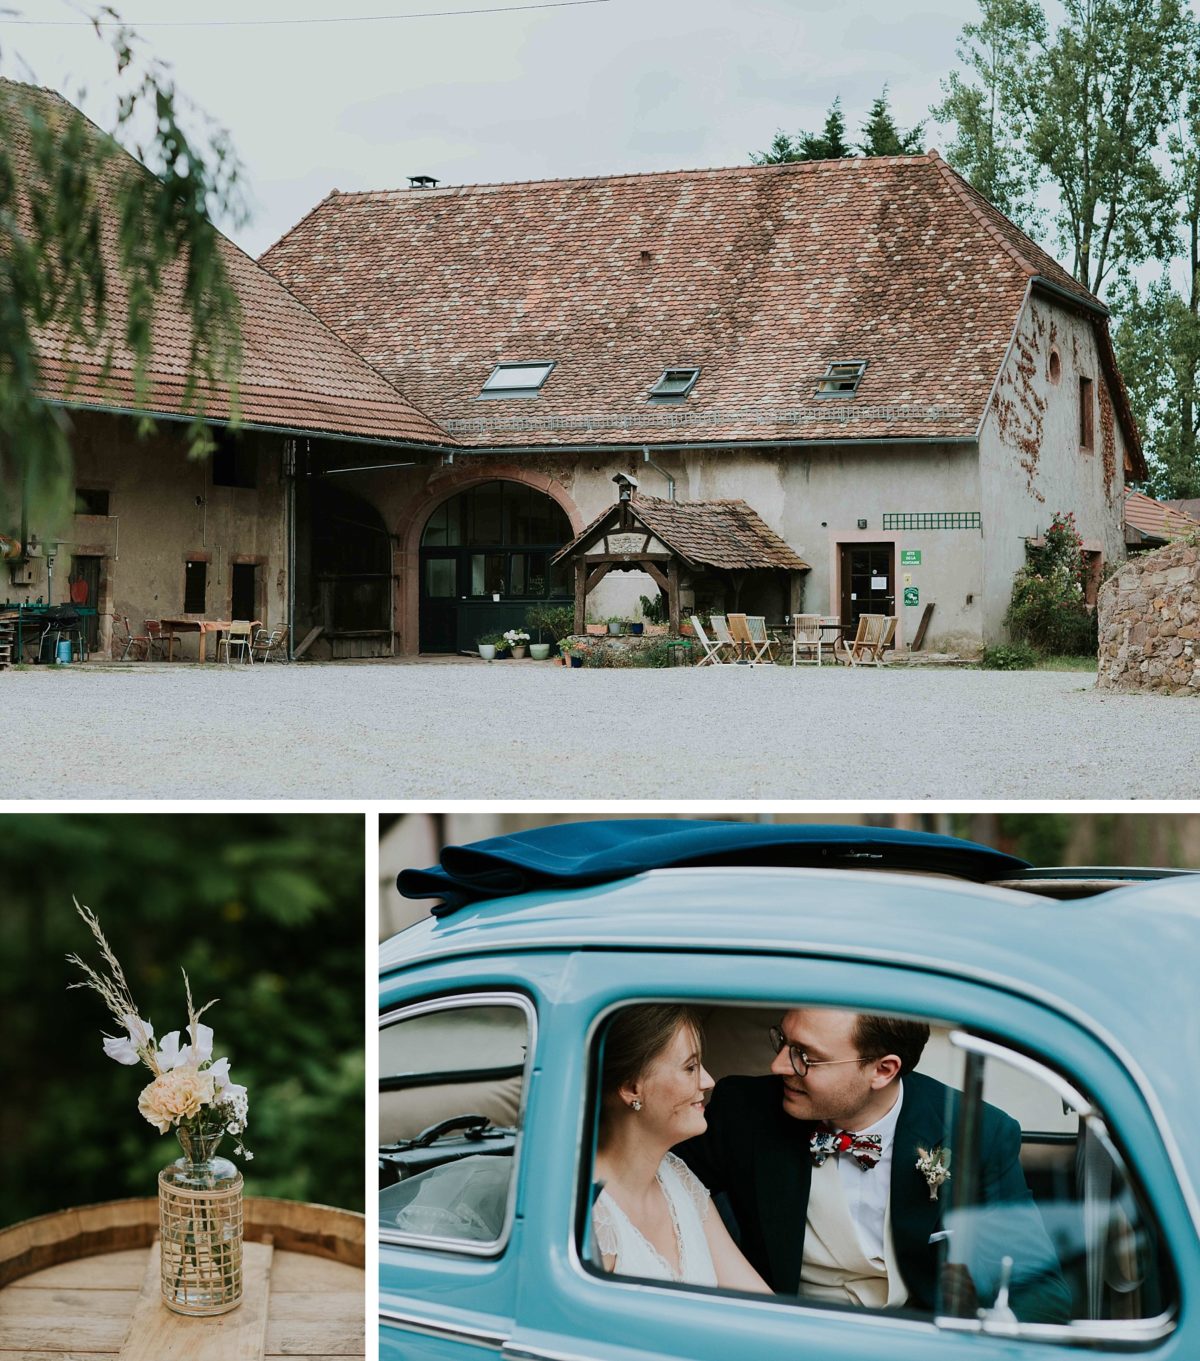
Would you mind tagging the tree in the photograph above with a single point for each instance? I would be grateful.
(881, 136)
(61, 182)
(1083, 112)
(984, 150)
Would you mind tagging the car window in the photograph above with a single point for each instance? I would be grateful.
(452, 1082)
(1005, 1205)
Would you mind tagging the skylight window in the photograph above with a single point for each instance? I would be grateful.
(516, 380)
(674, 385)
(842, 379)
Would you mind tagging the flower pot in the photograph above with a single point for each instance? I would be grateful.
(200, 1226)
(539, 651)
(615, 629)
(596, 630)
(519, 651)
(636, 629)
(487, 651)
(576, 661)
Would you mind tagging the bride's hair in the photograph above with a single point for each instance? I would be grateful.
(636, 1038)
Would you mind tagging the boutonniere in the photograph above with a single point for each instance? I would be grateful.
(934, 1165)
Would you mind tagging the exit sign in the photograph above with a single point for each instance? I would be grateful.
(910, 557)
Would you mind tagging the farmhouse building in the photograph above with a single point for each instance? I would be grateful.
(440, 385)
(897, 380)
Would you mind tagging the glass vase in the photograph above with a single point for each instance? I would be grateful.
(200, 1221)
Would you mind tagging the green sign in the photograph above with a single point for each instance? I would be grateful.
(912, 596)
(910, 557)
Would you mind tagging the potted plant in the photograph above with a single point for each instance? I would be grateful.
(487, 647)
(596, 630)
(634, 626)
(569, 657)
(615, 625)
(518, 642)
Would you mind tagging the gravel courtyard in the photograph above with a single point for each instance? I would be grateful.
(524, 730)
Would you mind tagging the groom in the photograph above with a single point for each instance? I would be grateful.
(819, 1162)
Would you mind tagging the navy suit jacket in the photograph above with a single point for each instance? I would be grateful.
(758, 1155)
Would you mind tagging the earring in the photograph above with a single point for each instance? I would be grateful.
(636, 1104)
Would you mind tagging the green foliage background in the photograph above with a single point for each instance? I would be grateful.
(265, 911)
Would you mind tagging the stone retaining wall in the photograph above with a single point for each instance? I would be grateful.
(1150, 623)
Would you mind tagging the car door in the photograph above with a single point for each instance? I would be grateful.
(569, 1307)
(456, 1067)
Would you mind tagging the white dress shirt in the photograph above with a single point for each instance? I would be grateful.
(867, 1189)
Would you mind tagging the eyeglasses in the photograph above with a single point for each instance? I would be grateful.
(801, 1063)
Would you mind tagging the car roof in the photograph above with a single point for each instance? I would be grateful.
(1122, 963)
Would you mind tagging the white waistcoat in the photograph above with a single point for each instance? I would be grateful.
(835, 1267)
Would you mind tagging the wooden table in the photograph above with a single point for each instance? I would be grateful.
(203, 627)
(86, 1283)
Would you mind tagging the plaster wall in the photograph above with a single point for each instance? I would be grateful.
(1031, 461)
(812, 498)
(163, 510)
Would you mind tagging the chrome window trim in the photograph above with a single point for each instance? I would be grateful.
(1134, 1332)
(415, 1323)
(456, 1002)
(1023, 1063)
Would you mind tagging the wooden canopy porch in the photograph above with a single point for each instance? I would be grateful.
(669, 540)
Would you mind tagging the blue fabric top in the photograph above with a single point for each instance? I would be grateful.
(575, 854)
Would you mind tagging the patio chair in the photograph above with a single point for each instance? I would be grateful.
(158, 641)
(806, 638)
(136, 643)
(270, 645)
(873, 634)
(238, 638)
(749, 632)
(713, 651)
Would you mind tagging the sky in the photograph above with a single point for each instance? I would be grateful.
(593, 88)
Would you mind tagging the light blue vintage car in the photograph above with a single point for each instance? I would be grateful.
(1066, 998)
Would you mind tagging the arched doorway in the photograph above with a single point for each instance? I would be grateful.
(485, 558)
(351, 574)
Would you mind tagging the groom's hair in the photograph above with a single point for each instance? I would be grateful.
(875, 1036)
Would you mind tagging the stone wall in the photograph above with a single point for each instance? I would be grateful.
(1150, 623)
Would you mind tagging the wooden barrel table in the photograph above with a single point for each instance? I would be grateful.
(86, 1283)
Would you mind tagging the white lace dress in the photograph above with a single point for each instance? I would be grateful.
(635, 1255)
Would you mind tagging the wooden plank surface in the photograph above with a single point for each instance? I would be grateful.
(82, 1310)
(158, 1334)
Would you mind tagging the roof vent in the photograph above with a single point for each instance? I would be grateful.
(422, 182)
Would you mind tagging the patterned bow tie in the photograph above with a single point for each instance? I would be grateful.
(865, 1149)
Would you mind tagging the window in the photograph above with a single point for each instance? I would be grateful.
(195, 586)
(842, 379)
(1012, 1208)
(90, 501)
(516, 380)
(452, 1077)
(1086, 418)
(233, 462)
(674, 385)
(1055, 365)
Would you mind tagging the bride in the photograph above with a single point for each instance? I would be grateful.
(654, 1218)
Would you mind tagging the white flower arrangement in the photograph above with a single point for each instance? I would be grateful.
(189, 1086)
(934, 1165)
(516, 637)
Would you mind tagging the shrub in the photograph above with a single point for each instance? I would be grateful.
(551, 621)
(654, 608)
(1048, 610)
(1009, 657)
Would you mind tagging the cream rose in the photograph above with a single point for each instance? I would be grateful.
(175, 1096)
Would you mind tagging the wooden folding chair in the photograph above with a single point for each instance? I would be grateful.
(720, 627)
(806, 638)
(713, 650)
(749, 632)
(874, 633)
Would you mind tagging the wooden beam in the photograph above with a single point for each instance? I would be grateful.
(673, 594)
(924, 624)
(580, 594)
(628, 557)
(596, 576)
(662, 582)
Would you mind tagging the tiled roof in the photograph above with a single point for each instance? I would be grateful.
(1156, 518)
(724, 534)
(1189, 507)
(296, 373)
(759, 276)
